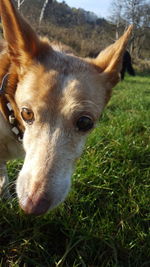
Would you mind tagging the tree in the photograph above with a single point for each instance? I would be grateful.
(46, 2)
(19, 3)
(116, 15)
(136, 12)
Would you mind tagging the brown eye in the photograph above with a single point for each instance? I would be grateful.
(27, 115)
(84, 123)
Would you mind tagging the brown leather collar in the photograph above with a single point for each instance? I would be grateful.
(8, 111)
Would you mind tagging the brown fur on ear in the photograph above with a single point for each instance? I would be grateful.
(23, 43)
(110, 59)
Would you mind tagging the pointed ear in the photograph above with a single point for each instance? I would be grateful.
(23, 43)
(109, 61)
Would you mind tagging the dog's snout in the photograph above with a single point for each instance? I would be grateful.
(35, 207)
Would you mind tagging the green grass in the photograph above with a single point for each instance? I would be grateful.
(105, 221)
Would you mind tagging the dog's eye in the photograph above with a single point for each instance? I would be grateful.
(27, 115)
(84, 123)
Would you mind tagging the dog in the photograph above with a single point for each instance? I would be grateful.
(50, 100)
(126, 63)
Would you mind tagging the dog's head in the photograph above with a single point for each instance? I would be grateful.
(59, 99)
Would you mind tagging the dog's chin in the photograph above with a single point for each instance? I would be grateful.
(38, 202)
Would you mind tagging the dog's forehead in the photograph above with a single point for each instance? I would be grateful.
(57, 76)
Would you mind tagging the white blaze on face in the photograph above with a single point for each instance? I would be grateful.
(48, 165)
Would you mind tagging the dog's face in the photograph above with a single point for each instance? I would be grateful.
(58, 112)
(59, 99)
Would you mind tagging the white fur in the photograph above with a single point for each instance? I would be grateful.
(49, 163)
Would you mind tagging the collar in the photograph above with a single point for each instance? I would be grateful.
(14, 123)
(8, 111)
(4, 84)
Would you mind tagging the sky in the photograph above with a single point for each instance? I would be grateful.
(99, 7)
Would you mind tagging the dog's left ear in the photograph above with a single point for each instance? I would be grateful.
(23, 42)
(109, 61)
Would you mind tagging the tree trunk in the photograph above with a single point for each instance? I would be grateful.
(43, 10)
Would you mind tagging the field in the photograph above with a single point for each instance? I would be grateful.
(105, 221)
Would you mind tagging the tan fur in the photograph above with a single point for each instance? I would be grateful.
(59, 88)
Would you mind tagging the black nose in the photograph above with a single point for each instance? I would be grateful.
(33, 206)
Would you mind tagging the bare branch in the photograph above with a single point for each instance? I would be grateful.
(19, 3)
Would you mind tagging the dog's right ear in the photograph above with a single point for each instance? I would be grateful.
(23, 43)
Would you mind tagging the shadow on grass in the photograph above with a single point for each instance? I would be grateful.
(50, 241)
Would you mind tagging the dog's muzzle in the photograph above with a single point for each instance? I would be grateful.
(35, 206)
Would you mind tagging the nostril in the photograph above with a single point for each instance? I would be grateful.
(35, 207)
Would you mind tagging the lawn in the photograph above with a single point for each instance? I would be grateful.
(105, 221)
